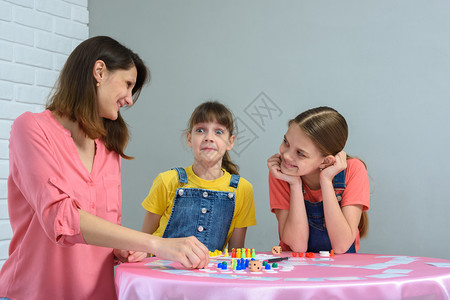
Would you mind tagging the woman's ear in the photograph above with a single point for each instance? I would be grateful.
(99, 70)
(329, 160)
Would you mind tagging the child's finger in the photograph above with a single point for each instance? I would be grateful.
(136, 256)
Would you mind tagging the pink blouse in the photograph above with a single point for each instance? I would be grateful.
(48, 257)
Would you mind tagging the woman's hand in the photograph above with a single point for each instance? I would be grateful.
(274, 165)
(189, 251)
(340, 163)
(129, 256)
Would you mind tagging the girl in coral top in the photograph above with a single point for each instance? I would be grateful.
(318, 193)
(64, 189)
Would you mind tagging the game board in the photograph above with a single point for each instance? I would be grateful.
(355, 276)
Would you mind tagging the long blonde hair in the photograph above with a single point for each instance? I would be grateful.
(329, 131)
(211, 111)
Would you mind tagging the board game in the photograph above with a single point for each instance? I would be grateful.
(312, 275)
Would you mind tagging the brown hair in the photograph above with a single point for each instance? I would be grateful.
(329, 131)
(211, 111)
(75, 95)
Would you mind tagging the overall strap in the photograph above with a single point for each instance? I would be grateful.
(339, 181)
(182, 176)
(234, 181)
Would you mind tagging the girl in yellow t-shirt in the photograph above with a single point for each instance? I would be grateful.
(208, 200)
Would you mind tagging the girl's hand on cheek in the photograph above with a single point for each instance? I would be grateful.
(340, 164)
(274, 165)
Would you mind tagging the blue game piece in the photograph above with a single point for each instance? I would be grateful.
(267, 267)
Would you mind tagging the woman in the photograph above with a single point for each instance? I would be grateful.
(64, 190)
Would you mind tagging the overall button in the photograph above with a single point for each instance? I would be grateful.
(181, 192)
(230, 195)
(339, 197)
(205, 194)
(200, 228)
(204, 210)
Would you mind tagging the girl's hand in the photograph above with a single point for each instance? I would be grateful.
(129, 256)
(340, 163)
(189, 251)
(274, 165)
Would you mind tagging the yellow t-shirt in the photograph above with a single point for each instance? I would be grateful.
(162, 194)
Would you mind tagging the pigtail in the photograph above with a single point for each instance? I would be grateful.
(229, 165)
(363, 225)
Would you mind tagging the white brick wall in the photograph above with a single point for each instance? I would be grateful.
(35, 39)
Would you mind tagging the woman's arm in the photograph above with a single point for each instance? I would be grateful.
(99, 232)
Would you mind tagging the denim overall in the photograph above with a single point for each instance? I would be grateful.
(318, 235)
(205, 214)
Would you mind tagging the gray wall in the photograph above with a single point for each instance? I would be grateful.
(385, 65)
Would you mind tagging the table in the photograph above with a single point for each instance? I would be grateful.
(345, 276)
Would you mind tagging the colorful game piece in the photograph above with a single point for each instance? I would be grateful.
(294, 254)
(332, 253)
(267, 266)
(274, 265)
(309, 254)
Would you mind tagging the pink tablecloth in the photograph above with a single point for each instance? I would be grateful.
(347, 276)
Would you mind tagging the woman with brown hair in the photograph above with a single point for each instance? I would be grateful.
(64, 187)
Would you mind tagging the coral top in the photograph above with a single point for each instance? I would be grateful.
(357, 191)
(48, 257)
